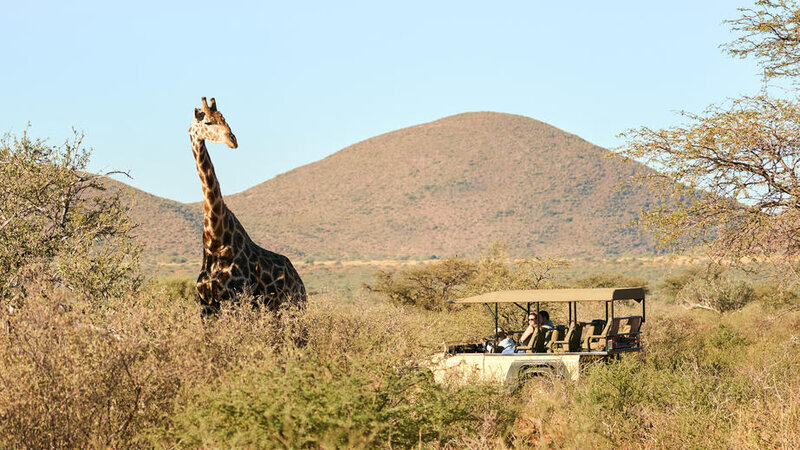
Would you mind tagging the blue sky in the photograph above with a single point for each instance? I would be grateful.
(298, 81)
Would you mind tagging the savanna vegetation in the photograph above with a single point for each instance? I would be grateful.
(82, 365)
(109, 359)
(92, 354)
(144, 370)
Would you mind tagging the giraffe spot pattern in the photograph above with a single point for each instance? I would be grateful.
(232, 263)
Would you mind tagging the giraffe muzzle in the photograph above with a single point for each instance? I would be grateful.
(232, 141)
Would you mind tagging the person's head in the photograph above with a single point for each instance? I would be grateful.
(534, 320)
(501, 333)
(544, 316)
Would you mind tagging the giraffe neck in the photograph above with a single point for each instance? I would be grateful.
(213, 205)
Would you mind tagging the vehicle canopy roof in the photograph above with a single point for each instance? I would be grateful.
(558, 295)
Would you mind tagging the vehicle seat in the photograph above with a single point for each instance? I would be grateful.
(598, 341)
(628, 334)
(561, 340)
(537, 342)
(556, 334)
(553, 334)
(593, 328)
(574, 341)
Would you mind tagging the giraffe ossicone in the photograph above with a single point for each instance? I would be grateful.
(232, 263)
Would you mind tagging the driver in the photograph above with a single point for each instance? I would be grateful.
(506, 343)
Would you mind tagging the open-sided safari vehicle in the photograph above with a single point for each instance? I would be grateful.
(559, 351)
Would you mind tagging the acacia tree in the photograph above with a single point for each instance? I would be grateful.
(429, 286)
(432, 285)
(769, 32)
(59, 226)
(729, 178)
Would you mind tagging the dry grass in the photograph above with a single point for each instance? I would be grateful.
(146, 371)
(704, 380)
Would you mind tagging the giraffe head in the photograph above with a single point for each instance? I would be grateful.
(209, 124)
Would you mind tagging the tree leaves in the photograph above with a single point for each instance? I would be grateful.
(58, 226)
(729, 178)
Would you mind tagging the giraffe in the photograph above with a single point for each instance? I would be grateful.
(232, 262)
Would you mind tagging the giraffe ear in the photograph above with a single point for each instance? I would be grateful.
(213, 105)
(198, 114)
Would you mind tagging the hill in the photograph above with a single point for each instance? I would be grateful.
(437, 189)
(170, 231)
(450, 187)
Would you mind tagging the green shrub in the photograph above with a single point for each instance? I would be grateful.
(720, 293)
(432, 285)
(58, 225)
(724, 337)
(672, 285)
(175, 288)
(711, 288)
(774, 296)
(313, 401)
(429, 286)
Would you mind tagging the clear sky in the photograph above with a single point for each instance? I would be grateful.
(300, 80)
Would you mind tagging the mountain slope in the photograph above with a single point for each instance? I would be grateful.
(450, 187)
(170, 231)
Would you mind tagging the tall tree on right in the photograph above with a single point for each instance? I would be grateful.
(729, 178)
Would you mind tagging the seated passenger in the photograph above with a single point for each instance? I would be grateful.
(506, 343)
(543, 318)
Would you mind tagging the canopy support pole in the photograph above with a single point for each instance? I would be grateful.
(494, 314)
(569, 320)
(643, 316)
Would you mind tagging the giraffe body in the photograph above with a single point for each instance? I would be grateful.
(232, 263)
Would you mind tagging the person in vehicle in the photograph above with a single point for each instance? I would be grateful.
(507, 343)
(543, 319)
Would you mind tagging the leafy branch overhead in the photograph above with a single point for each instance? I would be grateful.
(729, 177)
(736, 173)
(770, 34)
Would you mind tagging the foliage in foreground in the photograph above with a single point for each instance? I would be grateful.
(58, 226)
(147, 371)
(712, 381)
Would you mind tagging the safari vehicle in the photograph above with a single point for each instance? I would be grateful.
(559, 351)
